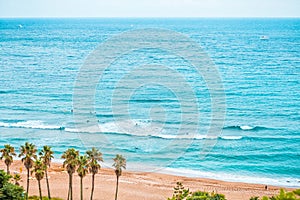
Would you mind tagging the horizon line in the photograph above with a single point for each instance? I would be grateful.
(143, 17)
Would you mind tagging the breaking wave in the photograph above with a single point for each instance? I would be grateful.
(31, 124)
(246, 128)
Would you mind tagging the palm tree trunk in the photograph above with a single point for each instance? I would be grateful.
(93, 185)
(27, 190)
(7, 169)
(71, 189)
(81, 190)
(116, 195)
(40, 190)
(47, 181)
(68, 193)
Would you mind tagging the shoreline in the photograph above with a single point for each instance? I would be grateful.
(190, 173)
(139, 185)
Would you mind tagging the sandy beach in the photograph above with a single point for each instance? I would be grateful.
(137, 185)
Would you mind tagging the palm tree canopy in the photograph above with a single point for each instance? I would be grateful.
(70, 156)
(94, 154)
(39, 169)
(28, 151)
(46, 155)
(82, 169)
(94, 167)
(7, 153)
(119, 164)
(17, 177)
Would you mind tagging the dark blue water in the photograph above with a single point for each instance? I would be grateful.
(260, 142)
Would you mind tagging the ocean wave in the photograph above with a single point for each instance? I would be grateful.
(7, 91)
(31, 124)
(112, 129)
(153, 100)
(199, 137)
(229, 137)
(95, 129)
(91, 129)
(246, 128)
(142, 128)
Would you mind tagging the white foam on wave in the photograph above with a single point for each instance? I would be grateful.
(247, 127)
(229, 137)
(112, 129)
(199, 137)
(143, 129)
(91, 129)
(135, 128)
(244, 127)
(32, 124)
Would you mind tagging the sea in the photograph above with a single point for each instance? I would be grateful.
(256, 59)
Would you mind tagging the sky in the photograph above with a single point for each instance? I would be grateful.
(149, 8)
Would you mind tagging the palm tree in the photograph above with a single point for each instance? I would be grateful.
(82, 170)
(7, 153)
(119, 164)
(70, 156)
(39, 172)
(28, 151)
(94, 156)
(17, 178)
(46, 156)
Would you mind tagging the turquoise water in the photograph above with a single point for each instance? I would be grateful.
(40, 60)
